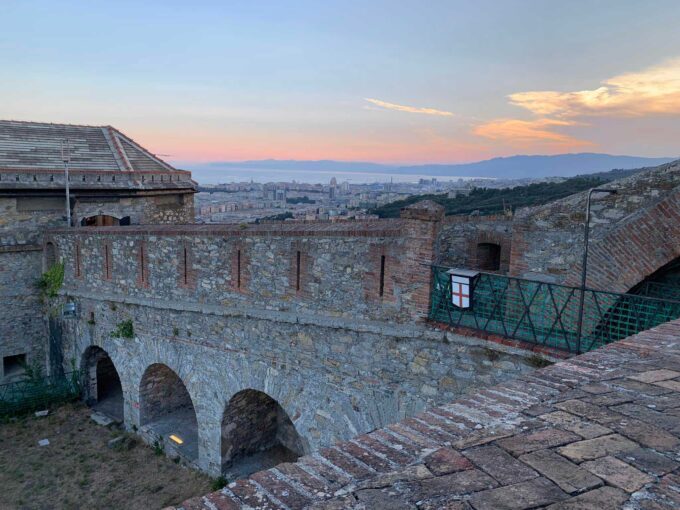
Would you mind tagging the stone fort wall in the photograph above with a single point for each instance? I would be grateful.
(23, 223)
(320, 317)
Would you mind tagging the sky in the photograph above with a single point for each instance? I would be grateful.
(429, 81)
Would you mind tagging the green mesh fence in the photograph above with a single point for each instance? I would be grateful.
(37, 393)
(547, 314)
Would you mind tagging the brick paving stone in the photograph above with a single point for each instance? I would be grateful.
(531, 494)
(455, 484)
(249, 494)
(369, 458)
(377, 499)
(350, 467)
(650, 461)
(537, 440)
(599, 414)
(617, 473)
(539, 409)
(570, 477)
(311, 483)
(499, 464)
(417, 472)
(653, 376)
(585, 429)
(341, 503)
(596, 388)
(650, 416)
(221, 501)
(640, 387)
(590, 449)
(604, 498)
(440, 504)
(445, 461)
(609, 399)
(671, 385)
(282, 491)
(646, 434)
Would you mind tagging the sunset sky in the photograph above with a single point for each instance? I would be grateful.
(385, 81)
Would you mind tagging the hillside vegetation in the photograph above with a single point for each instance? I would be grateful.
(492, 201)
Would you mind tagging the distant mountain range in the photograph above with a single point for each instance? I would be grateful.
(512, 167)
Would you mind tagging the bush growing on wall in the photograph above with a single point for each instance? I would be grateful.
(124, 329)
(51, 281)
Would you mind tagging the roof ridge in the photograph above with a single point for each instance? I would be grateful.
(52, 123)
(140, 148)
(116, 149)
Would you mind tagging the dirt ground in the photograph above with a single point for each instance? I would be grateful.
(79, 470)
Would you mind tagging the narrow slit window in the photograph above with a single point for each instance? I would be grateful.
(238, 269)
(185, 276)
(382, 275)
(78, 267)
(107, 262)
(142, 260)
(297, 270)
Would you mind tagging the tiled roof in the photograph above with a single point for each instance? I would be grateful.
(37, 146)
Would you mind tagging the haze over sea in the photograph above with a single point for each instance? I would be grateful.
(227, 175)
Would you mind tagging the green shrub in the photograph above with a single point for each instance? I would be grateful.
(51, 281)
(124, 329)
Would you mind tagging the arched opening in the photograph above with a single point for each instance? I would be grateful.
(663, 283)
(100, 220)
(257, 434)
(102, 389)
(167, 411)
(488, 256)
(50, 255)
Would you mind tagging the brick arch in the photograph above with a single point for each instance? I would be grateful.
(166, 410)
(101, 382)
(636, 249)
(503, 241)
(50, 253)
(257, 433)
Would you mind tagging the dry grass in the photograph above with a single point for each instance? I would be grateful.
(78, 469)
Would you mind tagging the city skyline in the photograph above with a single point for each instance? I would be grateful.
(390, 82)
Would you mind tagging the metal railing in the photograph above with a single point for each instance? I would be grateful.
(32, 394)
(547, 314)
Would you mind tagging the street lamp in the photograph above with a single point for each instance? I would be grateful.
(66, 158)
(584, 267)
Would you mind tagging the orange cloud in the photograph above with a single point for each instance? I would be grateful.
(408, 109)
(653, 91)
(529, 132)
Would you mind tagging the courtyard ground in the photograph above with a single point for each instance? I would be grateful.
(79, 470)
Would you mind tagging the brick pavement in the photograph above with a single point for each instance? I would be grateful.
(599, 431)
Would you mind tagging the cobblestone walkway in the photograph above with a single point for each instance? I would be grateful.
(599, 431)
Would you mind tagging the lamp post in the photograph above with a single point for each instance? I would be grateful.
(584, 266)
(66, 158)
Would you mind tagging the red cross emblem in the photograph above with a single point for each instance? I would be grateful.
(461, 298)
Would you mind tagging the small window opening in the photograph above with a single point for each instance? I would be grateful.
(382, 275)
(297, 270)
(13, 366)
(238, 269)
(489, 256)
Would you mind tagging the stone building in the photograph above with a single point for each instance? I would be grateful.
(113, 181)
(260, 343)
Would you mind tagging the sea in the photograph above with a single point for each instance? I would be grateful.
(235, 174)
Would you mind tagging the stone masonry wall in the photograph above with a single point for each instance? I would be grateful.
(633, 233)
(460, 235)
(23, 222)
(334, 377)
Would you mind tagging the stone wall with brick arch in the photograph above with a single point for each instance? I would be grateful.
(460, 236)
(633, 233)
(23, 223)
(336, 356)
